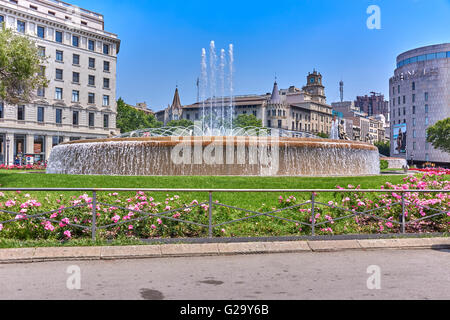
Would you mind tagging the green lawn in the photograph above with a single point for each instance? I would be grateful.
(10, 179)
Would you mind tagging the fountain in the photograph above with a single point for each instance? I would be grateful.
(214, 146)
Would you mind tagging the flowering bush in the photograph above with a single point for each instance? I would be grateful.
(24, 167)
(139, 215)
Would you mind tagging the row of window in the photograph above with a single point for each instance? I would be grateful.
(41, 33)
(59, 75)
(426, 109)
(58, 116)
(59, 57)
(424, 57)
(76, 96)
(413, 99)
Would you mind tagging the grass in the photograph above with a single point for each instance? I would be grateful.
(248, 200)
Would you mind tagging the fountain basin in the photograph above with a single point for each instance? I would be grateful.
(214, 156)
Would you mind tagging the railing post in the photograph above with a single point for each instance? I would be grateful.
(313, 216)
(210, 231)
(94, 215)
(403, 213)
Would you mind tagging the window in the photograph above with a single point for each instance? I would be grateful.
(414, 122)
(84, 23)
(105, 100)
(106, 48)
(59, 56)
(91, 45)
(75, 41)
(414, 133)
(414, 109)
(76, 59)
(41, 51)
(92, 63)
(20, 26)
(74, 138)
(105, 121)
(404, 99)
(414, 86)
(59, 36)
(398, 100)
(21, 113)
(59, 116)
(91, 119)
(57, 140)
(414, 145)
(426, 96)
(59, 74)
(41, 92)
(2, 19)
(52, 13)
(404, 111)
(2, 112)
(414, 97)
(91, 98)
(280, 124)
(91, 80)
(106, 66)
(40, 114)
(75, 96)
(426, 121)
(58, 93)
(76, 77)
(426, 108)
(106, 83)
(398, 89)
(41, 32)
(75, 118)
(42, 72)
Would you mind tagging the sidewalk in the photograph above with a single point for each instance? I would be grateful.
(44, 254)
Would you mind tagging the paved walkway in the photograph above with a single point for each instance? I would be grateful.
(403, 274)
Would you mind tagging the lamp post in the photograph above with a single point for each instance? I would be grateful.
(7, 151)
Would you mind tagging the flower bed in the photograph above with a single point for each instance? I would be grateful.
(24, 167)
(435, 171)
(122, 215)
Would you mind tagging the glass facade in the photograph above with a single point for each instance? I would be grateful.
(424, 57)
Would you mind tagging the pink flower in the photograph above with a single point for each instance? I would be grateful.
(68, 234)
(130, 227)
(159, 221)
(223, 230)
(1, 227)
(153, 226)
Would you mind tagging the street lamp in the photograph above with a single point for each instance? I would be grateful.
(7, 151)
(412, 163)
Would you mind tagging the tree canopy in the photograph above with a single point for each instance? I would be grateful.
(247, 120)
(384, 148)
(180, 123)
(439, 135)
(131, 119)
(21, 71)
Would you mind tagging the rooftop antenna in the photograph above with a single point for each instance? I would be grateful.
(341, 89)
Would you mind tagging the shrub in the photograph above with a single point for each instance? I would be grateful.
(384, 164)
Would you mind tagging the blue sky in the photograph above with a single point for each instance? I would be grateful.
(162, 42)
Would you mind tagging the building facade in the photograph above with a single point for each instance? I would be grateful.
(80, 100)
(373, 105)
(419, 97)
(294, 109)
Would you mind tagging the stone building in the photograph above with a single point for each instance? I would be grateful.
(80, 100)
(295, 109)
(419, 97)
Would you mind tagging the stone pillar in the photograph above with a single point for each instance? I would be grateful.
(9, 153)
(48, 146)
(29, 144)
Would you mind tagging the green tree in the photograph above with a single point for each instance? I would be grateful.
(323, 135)
(20, 67)
(247, 120)
(439, 135)
(131, 119)
(384, 148)
(180, 123)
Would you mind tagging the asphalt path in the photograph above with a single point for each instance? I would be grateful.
(357, 274)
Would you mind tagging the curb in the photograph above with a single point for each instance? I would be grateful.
(44, 254)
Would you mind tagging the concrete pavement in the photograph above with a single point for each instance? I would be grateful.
(347, 274)
(213, 249)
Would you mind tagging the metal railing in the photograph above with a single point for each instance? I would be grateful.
(211, 204)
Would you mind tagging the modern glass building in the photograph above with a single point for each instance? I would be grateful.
(419, 97)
